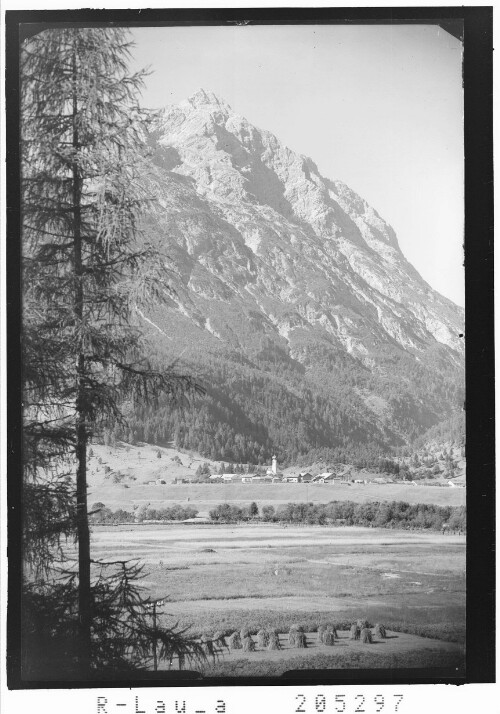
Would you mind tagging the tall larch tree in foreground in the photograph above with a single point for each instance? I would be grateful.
(85, 266)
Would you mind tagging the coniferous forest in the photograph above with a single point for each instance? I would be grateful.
(254, 406)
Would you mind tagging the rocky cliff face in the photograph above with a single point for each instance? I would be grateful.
(269, 252)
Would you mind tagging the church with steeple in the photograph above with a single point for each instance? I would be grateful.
(273, 470)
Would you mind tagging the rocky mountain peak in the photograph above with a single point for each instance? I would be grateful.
(306, 251)
(292, 273)
(203, 98)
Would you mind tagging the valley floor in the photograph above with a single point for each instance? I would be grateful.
(266, 575)
(204, 497)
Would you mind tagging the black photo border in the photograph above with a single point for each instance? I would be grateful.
(474, 25)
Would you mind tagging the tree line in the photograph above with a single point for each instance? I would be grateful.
(100, 514)
(393, 514)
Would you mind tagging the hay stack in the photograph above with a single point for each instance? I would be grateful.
(248, 644)
(207, 645)
(328, 638)
(380, 631)
(354, 632)
(366, 636)
(220, 640)
(329, 628)
(300, 639)
(322, 630)
(262, 638)
(292, 635)
(274, 641)
(235, 641)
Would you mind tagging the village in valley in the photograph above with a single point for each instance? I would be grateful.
(131, 477)
(446, 471)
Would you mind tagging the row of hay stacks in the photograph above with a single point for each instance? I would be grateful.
(360, 630)
(269, 639)
(266, 639)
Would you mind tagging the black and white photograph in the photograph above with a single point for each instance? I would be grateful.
(242, 351)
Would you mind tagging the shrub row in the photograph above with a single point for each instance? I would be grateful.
(100, 514)
(226, 513)
(393, 514)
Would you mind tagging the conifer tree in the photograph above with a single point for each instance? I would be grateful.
(83, 190)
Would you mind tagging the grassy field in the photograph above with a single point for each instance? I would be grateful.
(206, 496)
(225, 577)
(405, 649)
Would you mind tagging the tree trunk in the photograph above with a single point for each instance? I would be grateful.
(84, 594)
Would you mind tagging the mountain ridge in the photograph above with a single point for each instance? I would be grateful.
(292, 278)
(276, 180)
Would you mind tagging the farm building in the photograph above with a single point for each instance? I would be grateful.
(246, 479)
(306, 477)
(225, 477)
(327, 477)
(291, 479)
(231, 477)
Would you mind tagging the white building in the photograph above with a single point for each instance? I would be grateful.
(274, 467)
(231, 477)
